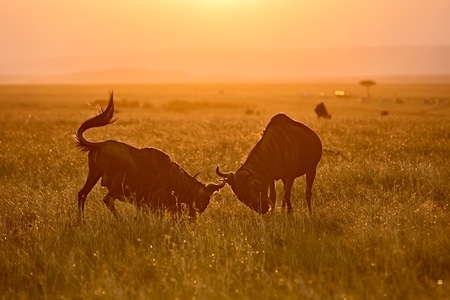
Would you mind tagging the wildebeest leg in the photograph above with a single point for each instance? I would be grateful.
(93, 176)
(288, 183)
(272, 194)
(115, 185)
(109, 202)
(310, 176)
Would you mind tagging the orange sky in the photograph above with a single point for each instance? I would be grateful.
(51, 36)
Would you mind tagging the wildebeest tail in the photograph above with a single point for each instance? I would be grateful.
(103, 119)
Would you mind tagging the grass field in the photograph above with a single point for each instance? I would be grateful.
(380, 227)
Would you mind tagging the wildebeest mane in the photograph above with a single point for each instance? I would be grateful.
(183, 184)
(177, 179)
(171, 177)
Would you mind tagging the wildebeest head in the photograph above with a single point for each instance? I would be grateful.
(249, 188)
(203, 196)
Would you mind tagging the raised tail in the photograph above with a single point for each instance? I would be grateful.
(103, 119)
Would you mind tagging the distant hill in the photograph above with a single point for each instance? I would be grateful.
(100, 76)
(405, 63)
(120, 76)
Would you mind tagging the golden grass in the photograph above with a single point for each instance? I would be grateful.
(380, 227)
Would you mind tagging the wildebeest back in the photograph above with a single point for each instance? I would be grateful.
(287, 148)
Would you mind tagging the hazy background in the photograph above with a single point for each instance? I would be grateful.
(222, 40)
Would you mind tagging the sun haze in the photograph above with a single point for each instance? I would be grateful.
(225, 39)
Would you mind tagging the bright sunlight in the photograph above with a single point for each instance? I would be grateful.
(228, 4)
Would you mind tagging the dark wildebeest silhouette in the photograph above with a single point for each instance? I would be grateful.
(322, 111)
(287, 149)
(145, 177)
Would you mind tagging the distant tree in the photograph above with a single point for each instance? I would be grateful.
(367, 84)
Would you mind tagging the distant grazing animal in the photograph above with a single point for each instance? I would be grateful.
(384, 113)
(287, 149)
(147, 176)
(322, 111)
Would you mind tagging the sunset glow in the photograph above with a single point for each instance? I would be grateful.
(251, 38)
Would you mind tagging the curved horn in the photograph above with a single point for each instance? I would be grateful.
(215, 187)
(223, 175)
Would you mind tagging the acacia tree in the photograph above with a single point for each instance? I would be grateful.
(367, 84)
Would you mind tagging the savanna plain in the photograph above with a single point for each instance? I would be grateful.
(380, 227)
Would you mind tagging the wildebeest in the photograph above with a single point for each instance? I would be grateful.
(147, 177)
(287, 149)
(322, 111)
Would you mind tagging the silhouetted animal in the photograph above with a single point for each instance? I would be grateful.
(384, 113)
(146, 177)
(322, 111)
(287, 149)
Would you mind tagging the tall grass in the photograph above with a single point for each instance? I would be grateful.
(380, 227)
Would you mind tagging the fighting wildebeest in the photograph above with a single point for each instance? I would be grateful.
(146, 177)
(287, 149)
(322, 111)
